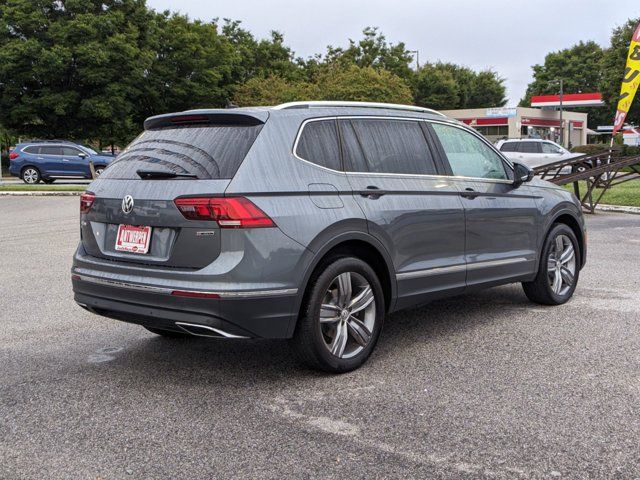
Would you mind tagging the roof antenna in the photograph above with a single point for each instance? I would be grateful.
(230, 104)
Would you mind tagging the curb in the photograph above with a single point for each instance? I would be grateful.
(619, 209)
(49, 193)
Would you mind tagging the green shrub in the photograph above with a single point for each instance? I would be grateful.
(591, 149)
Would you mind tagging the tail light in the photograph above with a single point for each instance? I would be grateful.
(229, 212)
(86, 202)
(13, 155)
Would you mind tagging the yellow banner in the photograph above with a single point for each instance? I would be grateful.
(630, 81)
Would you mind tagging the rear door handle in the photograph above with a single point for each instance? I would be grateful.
(469, 193)
(372, 192)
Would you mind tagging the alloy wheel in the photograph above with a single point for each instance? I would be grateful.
(561, 265)
(347, 315)
(31, 176)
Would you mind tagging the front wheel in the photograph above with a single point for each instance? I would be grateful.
(559, 268)
(341, 317)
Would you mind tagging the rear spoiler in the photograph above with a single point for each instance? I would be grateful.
(206, 117)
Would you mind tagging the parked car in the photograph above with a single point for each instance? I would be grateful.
(312, 221)
(50, 160)
(534, 152)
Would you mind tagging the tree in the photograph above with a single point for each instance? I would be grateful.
(372, 50)
(449, 86)
(580, 68)
(436, 87)
(71, 69)
(192, 67)
(365, 84)
(272, 90)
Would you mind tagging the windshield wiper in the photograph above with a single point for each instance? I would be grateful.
(151, 174)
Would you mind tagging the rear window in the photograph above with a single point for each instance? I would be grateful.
(33, 150)
(509, 147)
(209, 152)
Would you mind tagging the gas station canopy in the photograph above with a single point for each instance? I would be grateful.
(568, 100)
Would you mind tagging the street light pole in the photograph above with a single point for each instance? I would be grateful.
(561, 125)
(417, 52)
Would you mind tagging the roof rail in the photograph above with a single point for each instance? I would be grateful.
(331, 103)
(48, 140)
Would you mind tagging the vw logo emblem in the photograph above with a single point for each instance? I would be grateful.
(127, 204)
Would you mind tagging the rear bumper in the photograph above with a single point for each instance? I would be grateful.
(259, 314)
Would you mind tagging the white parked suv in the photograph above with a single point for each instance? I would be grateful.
(534, 152)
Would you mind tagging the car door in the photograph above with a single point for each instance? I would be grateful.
(75, 162)
(50, 160)
(410, 207)
(530, 154)
(502, 222)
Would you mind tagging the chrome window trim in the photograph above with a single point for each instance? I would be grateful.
(168, 290)
(51, 145)
(403, 175)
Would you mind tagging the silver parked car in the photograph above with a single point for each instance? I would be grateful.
(312, 221)
(534, 152)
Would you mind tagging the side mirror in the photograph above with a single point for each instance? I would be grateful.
(83, 155)
(521, 174)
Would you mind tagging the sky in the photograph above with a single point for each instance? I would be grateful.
(508, 36)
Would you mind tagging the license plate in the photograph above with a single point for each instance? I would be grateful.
(133, 239)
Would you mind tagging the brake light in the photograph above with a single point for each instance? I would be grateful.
(229, 212)
(86, 202)
(13, 155)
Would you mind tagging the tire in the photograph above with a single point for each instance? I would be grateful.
(341, 342)
(554, 284)
(48, 181)
(167, 333)
(99, 169)
(30, 175)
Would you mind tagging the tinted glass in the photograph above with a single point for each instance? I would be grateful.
(49, 150)
(70, 151)
(33, 150)
(319, 144)
(468, 155)
(208, 152)
(550, 148)
(509, 147)
(529, 147)
(354, 160)
(393, 146)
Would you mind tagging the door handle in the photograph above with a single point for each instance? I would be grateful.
(66, 160)
(469, 193)
(372, 192)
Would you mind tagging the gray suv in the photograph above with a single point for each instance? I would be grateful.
(312, 221)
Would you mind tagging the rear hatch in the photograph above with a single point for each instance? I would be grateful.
(133, 216)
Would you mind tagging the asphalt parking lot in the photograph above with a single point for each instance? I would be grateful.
(480, 386)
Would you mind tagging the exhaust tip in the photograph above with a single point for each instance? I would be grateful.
(205, 331)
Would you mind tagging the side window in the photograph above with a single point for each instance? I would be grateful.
(33, 150)
(550, 148)
(70, 151)
(529, 147)
(468, 155)
(319, 144)
(50, 150)
(509, 147)
(354, 160)
(389, 146)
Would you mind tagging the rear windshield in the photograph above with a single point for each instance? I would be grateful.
(210, 152)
